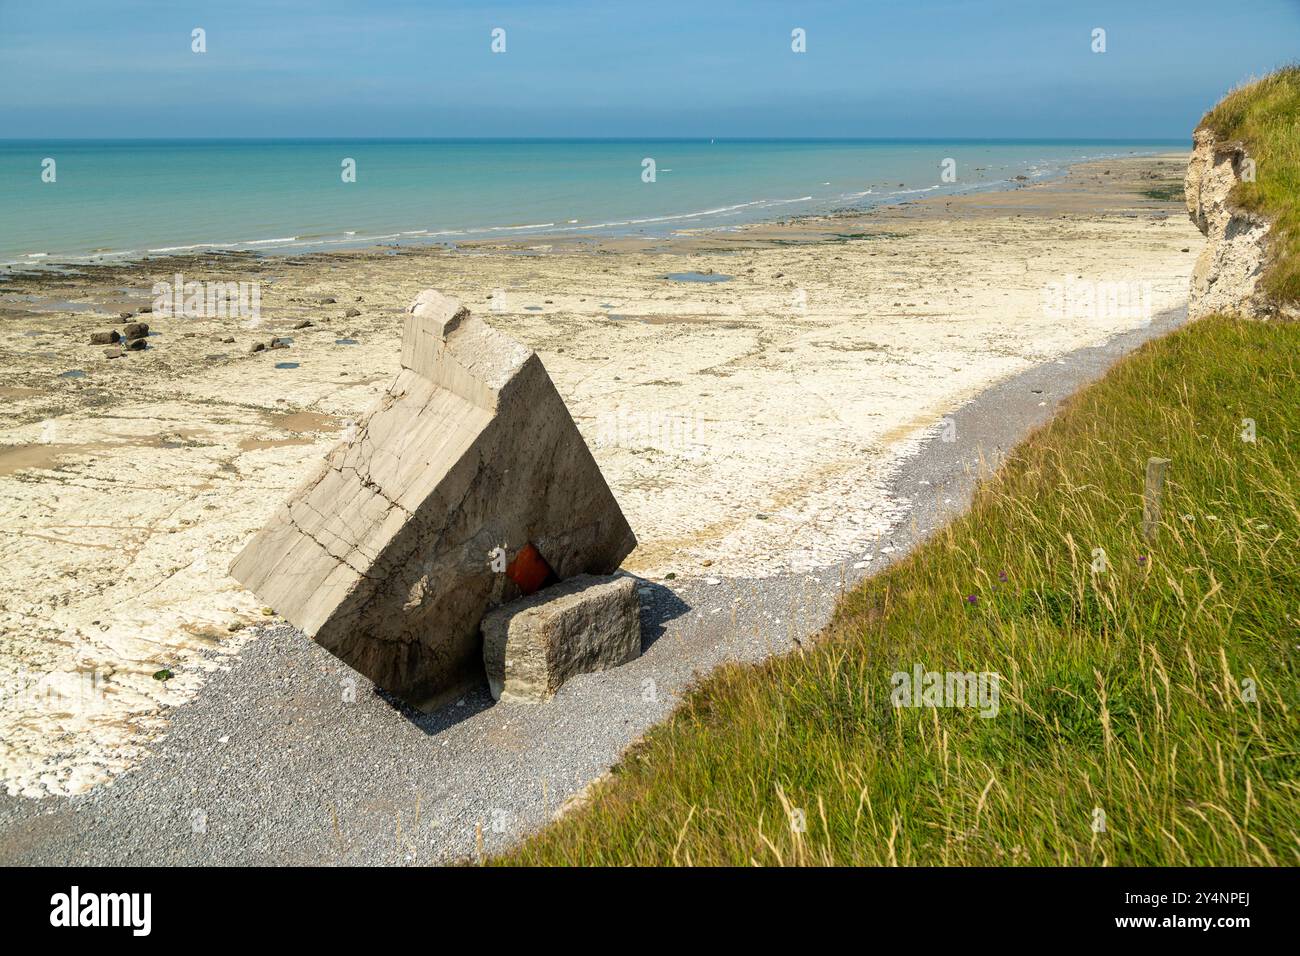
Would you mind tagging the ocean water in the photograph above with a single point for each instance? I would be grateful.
(132, 198)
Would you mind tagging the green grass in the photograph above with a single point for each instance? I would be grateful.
(1265, 116)
(1121, 690)
(1166, 192)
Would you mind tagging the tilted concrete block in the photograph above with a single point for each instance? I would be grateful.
(584, 624)
(385, 555)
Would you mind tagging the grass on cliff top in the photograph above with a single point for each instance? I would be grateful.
(1265, 115)
(1147, 714)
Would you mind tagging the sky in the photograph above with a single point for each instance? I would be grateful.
(616, 68)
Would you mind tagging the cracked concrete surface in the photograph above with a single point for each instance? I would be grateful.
(383, 555)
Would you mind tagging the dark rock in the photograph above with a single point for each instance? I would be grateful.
(328, 300)
(351, 313)
(113, 353)
(145, 308)
(105, 338)
(137, 345)
(304, 324)
(136, 330)
(257, 347)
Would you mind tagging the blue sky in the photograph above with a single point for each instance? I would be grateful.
(908, 68)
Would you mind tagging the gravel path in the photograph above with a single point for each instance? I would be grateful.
(291, 758)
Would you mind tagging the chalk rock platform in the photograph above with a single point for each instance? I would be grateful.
(467, 485)
(533, 645)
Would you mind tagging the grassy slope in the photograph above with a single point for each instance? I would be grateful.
(1162, 691)
(1266, 116)
(1120, 690)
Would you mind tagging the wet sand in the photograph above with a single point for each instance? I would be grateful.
(749, 427)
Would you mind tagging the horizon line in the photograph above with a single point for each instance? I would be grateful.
(596, 139)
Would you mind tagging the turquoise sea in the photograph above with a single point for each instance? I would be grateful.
(132, 198)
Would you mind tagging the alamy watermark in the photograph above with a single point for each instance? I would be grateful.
(684, 435)
(1080, 299)
(208, 300)
(75, 908)
(52, 690)
(922, 688)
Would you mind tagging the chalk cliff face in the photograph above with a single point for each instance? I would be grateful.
(1227, 274)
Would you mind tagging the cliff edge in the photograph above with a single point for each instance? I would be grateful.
(1228, 271)
(1240, 194)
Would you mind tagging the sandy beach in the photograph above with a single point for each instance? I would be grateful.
(749, 426)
